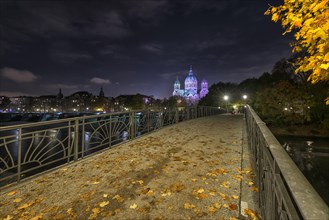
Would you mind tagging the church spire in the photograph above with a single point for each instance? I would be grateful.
(101, 93)
(190, 72)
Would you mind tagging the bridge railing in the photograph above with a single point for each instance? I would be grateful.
(28, 149)
(284, 192)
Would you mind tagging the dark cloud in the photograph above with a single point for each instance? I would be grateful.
(19, 76)
(152, 47)
(101, 81)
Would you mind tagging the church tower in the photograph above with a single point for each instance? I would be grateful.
(176, 91)
(101, 93)
(60, 94)
(204, 88)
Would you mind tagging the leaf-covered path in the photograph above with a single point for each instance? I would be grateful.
(192, 170)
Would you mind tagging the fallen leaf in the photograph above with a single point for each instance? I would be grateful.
(225, 184)
(133, 206)
(193, 180)
(104, 203)
(24, 206)
(118, 198)
(105, 195)
(95, 182)
(200, 190)
(217, 205)
(9, 217)
(212, 193)
(177, 187)
(250, 183)
(37, 217)
(187, 205)
(17, 200)
(224, 197)
(232, 206)
(11, 193)
(235, 197)
(140, 182)
(202, 196)
(254, 189)
(252, 214)
(212, 209)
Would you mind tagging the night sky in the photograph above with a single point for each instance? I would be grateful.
(133, 46)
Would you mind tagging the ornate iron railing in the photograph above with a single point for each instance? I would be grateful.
(28, 149)
(284, 192)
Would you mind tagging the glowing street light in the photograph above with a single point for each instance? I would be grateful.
(245, 100)
(226, 100)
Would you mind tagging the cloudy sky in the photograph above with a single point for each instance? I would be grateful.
(133, 46)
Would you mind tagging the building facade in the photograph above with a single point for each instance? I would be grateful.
(190, 92)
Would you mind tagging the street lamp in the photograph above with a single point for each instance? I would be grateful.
(245, 98)
(226, 99)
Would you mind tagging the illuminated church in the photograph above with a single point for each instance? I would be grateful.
(190, 92)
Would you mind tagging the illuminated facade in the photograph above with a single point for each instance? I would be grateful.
(190, 91)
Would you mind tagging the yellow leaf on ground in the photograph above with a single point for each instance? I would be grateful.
(187, 205)
(133, 206)
(235, 197)
(255, 189)
(217, 205)
(24, 206)
(200, 190)
(202, 196)
(118, 198)
(105, 195)
(140, 182)
(104, 203)
(11, 193)
(95, 182)
(252, 214)
(37, 217)
(212, 209)
(232, 206)
(17, 200)
(9, 217)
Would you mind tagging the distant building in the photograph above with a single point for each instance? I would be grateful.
(190, 91)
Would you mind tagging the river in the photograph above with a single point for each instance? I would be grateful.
(311, 155)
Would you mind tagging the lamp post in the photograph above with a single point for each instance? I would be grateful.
(226, 99)
(245, 99)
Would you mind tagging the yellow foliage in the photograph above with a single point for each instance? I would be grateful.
(310, 21)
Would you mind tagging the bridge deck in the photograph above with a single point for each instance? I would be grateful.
(195, 169)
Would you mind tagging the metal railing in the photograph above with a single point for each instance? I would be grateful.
(28, 149)
(284, 192)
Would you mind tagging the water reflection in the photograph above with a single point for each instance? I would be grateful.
(311, 155)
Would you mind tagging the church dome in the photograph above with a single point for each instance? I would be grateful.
(191, 81)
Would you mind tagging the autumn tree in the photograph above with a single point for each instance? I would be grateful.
(309, 20)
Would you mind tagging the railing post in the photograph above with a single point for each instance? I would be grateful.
(148, 120)
(19, 156)
(83, 139)
(132, 125)
(76, 139)
(110, 129)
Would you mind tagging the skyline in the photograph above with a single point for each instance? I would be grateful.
(131, 47)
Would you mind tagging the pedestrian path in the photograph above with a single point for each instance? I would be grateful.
(197, 169)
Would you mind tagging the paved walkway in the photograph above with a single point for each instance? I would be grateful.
(198, 169)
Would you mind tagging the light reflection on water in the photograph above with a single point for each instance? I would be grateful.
(311, 155)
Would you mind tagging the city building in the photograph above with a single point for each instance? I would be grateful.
(190, 92)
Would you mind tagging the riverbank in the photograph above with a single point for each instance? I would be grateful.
(300, 131)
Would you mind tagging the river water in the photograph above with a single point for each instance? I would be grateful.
(311, 155)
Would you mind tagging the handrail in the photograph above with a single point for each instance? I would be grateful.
(30, 148)
(285, 193)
